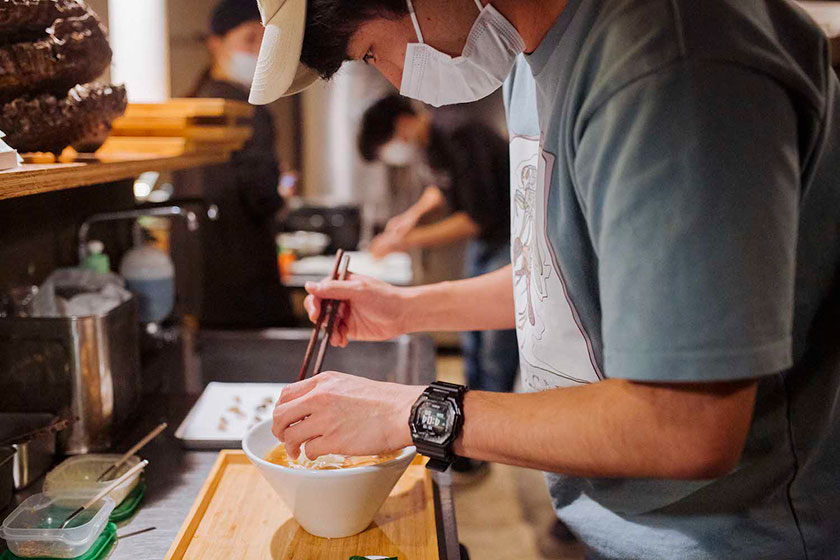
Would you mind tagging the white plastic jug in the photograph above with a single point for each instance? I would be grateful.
(150, 275)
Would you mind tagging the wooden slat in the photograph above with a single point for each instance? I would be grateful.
(29, 179)
(172, 146)
(189, 107)
(238, 515)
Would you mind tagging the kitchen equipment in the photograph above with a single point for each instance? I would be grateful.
(110, 487)
(241, 405)
(77, 475)
(33, 529)
(327, 503)
(303, 243)
(85, 367)
(134, 449)
(33, 437)
(99, 550)
(273, 355)
(7, 479)
(236, 516)
(342, 224)
(328, 308)
(394, 269)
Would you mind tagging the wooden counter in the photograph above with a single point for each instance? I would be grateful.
(29, 179)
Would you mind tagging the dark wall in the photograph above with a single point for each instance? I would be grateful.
(39, 233)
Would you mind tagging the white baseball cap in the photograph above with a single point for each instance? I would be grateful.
(279, 69)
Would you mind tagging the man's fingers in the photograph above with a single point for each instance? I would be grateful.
(287, 414)
(333, 289)
(313, 307)
(296, 390)
(300, 433)
(317, 446)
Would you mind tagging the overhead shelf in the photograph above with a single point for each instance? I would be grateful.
(30, 179)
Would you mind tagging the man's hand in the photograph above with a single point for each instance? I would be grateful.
(371, 308)
(339, 413)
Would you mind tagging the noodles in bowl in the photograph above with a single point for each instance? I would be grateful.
(278, 456)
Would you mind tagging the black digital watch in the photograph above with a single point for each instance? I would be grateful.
(436, 421)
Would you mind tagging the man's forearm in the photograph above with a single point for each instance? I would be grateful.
(454, 228)
(481, 303)
(614, 428)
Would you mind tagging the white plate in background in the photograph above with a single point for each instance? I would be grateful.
(202, 429)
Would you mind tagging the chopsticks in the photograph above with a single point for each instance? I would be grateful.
(329, 311)
(137, 447)
(107, 490)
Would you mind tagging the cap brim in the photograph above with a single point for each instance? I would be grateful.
(279, 70)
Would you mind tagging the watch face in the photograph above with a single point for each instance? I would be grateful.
(434, 421)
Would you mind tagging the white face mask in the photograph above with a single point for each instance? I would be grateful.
(241, 67)
(398, 153)
(489, 54)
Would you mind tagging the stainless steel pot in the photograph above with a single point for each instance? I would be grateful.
(35, 455)
(7, 481)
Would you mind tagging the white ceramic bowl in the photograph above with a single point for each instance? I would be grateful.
(328, 503)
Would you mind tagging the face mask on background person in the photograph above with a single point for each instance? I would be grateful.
(241, 67)
(398, 153)
(488, 56)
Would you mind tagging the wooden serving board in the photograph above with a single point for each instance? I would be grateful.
(238, 515)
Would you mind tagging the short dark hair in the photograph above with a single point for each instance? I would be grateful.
(379, 123)
(230, 14)
(331, 23)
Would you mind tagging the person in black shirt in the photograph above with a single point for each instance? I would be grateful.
(470, 166)
(240, 280)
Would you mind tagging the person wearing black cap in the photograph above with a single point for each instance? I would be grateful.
(240, 280)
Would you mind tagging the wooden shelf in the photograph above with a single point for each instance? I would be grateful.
(29, 179)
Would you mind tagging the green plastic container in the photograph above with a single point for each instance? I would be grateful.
(99, 549)
(130, 504)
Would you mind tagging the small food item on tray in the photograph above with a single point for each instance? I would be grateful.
(278, 456)
(223, 424)
(39, 157)
(237, 411)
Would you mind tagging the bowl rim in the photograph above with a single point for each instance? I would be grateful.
(406, 455)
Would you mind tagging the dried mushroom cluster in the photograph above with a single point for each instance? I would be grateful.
(50, 52)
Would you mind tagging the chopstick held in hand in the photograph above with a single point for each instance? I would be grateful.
(322, 315)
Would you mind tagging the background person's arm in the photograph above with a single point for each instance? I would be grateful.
(431, 199)
(454, 228)
(614, 428)
(375, 310)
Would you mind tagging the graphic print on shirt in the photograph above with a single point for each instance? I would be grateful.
(553, 349)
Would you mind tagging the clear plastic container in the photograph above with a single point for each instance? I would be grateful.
(77, 475)
(34, 530)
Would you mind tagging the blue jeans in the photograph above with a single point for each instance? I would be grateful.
(491, 358)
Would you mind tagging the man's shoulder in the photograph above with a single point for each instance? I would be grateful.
(631, 39)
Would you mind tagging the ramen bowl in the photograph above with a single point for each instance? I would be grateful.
(327, 503)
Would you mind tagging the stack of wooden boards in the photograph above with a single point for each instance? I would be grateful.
(181, 126)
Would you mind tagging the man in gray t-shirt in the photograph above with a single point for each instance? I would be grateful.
(675, 223)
